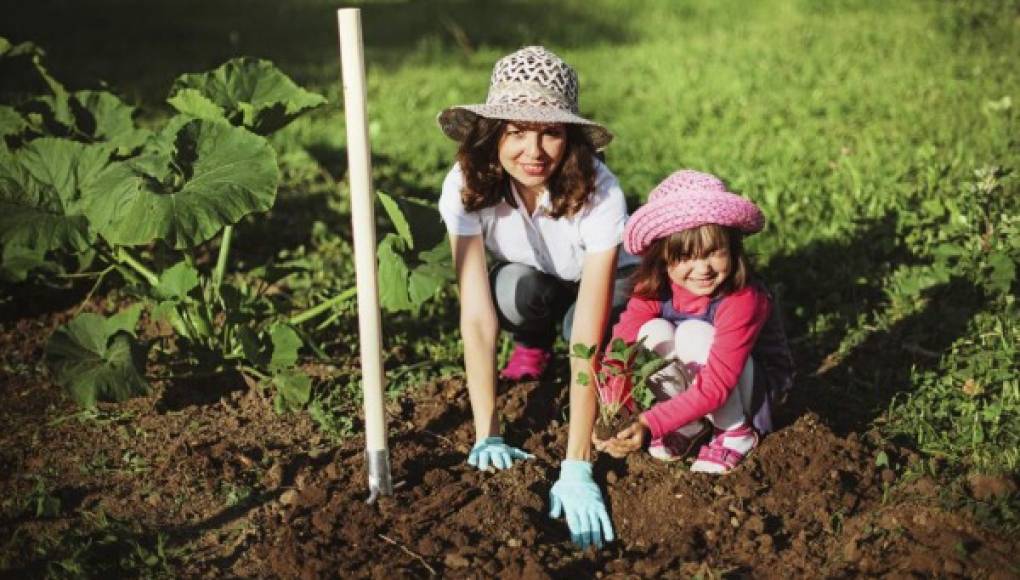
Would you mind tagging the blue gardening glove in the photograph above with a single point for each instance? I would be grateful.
(492, 451)
(576, 494)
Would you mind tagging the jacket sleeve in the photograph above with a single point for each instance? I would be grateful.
(637, 312)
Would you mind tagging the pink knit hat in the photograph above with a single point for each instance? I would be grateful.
(688, 199)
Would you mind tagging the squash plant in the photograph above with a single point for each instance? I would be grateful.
(79, 179)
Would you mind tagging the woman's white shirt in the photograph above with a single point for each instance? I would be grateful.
(554, 246)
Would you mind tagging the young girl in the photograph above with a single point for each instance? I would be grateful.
(696, 300)
(529, 190)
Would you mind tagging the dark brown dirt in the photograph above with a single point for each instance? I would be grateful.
(238, 491)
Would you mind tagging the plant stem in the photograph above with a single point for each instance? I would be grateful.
(252, 371)
(318, 309)
(95, 286)
(221, 259)
(122, 256)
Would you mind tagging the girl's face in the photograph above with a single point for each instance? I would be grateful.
(702, 276)
(530, 152)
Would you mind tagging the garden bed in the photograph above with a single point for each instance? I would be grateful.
(207, 480)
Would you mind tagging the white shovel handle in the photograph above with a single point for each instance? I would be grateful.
(359, 162)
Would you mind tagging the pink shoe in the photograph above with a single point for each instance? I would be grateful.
(526, 363)
(675, 446)
(725, 450)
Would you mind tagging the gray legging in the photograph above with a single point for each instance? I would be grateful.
(530, 303)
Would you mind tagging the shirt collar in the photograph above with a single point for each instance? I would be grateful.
(543, 203)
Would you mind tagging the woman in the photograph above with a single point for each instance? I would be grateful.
(529, 189)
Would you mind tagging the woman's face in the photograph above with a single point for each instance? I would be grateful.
(531, 152)
(702, 276)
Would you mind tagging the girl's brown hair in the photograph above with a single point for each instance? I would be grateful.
(651, 278)
(485, 182)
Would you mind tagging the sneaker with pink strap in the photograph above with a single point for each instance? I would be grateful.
(726, 450)
(526, 363)
(675, 445)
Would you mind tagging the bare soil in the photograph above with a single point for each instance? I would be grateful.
(238, 491)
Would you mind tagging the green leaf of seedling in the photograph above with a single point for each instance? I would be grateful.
(644, 397)
(396, 218)
(293, 390)
(95, 359)
(618, 346)
(286, 344)
(583, 351)
(583, 379)
(177, 281)
(649, 368)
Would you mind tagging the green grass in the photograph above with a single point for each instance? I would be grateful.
(857, 125)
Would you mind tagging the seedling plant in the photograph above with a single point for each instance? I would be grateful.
(620, 374)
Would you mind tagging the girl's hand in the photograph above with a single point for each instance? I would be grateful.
(628, 440)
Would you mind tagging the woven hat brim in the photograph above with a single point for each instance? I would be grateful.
(457, 122)
(669, 214)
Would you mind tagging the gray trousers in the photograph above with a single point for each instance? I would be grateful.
(530, 303)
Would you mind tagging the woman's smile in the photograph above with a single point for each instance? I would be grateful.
(534, 169)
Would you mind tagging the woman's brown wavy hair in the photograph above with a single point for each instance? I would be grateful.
(652, 279)
(485, 182)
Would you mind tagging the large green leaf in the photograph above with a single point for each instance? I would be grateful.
(414, 217)
(18, 261)
(397, 218)
(23, 73)
(403, 287)
(88, 116)
(11, 123)
(95, 358)
(248, 92)
(104, 117)
(434, 272)
(393, 275)
(177, 281)
(40, 194)
(407, 281)
(184, 191)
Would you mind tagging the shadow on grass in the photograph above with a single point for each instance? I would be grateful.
(837, 286)
(141, 48)
(289, 224)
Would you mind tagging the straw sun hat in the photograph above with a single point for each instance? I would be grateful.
(688, 199)
(532, 85)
